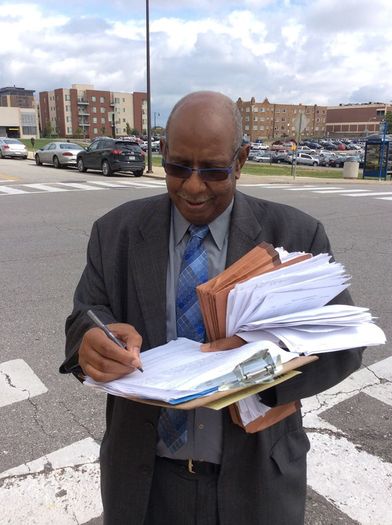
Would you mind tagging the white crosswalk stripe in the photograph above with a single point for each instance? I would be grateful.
(18, 382)
(11, 191)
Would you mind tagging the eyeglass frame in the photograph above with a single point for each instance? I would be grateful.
(202, 172)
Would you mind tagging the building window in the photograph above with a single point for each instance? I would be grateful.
(103, 120)
(102, 100)
(123, 99)
(117, 101)
(29, 130)
(95, 130)
(255, 110)
(102, 110)
(255, 128)
(124, 120)
(93, 99)
(247, 109)
(247, 128)
(94, 109)
(94, 120)
(69, 130)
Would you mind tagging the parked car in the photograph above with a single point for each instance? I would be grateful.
(337, 161)
(263, 156)
(12, 148)
(58, 154)
(110, 155)
(306, 159)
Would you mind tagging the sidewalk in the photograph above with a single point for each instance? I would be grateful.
(158, 173)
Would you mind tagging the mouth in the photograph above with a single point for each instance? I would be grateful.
(195, 203)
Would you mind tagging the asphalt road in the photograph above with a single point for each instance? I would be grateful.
(43, 237)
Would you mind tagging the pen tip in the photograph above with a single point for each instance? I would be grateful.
(140, 369)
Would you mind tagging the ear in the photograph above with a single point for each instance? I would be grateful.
(162, 146)
(241, 159)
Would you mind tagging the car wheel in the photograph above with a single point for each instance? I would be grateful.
(106, 169)
(56, 163)
(138, 173)
(81, 167)
(38, 160)
(24, 158)
(315, 164)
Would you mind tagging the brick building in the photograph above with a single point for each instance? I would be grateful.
(264, 120)
(355, 119)
(84, 111)
(18, 113)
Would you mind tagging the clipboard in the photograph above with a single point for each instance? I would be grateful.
(224, 398)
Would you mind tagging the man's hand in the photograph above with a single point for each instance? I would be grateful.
(103, 360)
(228, 343)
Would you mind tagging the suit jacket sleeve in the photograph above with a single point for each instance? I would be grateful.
(330, 368)
(90, 293)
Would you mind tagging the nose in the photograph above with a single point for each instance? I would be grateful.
(194, 183)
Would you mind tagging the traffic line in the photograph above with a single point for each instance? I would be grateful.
(106, 184)
(339, 191)
(79, 186)
(8, 190)
(275, 186)
(44, 187)
(308, 188)
(60, 487)
(384, 198)
(18, 382)
(356, 482)
(369, 194)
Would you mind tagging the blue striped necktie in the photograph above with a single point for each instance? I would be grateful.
(194, 271)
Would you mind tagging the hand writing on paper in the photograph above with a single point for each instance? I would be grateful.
(227, 343)
(103, 360)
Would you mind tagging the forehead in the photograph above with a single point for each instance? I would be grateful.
(201, 124)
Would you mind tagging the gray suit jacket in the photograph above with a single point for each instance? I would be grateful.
(263, 475)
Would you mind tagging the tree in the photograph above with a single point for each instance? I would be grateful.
(48, 130)
(133, 131)
(79, 133)
(103, 130)
(388, 119)
(129, 130)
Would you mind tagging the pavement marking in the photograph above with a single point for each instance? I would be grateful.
(356, 482)
(79, 186)
(338, 191)
(369, 194)
(384, 198)
(61, 487)
(309, 188)
(18, 382)
(105, 184)
(44, 187)
(8, 190)
(265, 185)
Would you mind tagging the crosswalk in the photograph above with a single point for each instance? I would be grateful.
(159, 184)
(62, 486)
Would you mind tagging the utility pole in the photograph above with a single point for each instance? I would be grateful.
(149, 153)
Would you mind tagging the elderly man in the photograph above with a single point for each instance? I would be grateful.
(144, 260)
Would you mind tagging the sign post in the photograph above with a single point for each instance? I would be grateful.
(300, 123)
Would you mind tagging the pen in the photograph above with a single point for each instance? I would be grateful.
(111, 336)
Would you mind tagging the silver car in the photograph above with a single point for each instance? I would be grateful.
(58, 154)
(12, 148)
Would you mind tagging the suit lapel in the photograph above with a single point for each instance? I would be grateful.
(246, 230)
(149, 260)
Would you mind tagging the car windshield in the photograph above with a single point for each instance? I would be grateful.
(70, 146)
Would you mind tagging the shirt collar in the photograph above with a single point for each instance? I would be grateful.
(218, 227)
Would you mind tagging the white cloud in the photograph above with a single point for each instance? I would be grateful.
(320, 51)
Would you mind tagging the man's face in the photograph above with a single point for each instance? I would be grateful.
(201, 139)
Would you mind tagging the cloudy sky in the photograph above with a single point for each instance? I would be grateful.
(310, 51)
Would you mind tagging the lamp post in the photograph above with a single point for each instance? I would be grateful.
(149, 156)
(383, 132)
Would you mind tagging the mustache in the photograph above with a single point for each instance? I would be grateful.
(198, 200)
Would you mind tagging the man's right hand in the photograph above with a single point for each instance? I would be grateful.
(103, 360)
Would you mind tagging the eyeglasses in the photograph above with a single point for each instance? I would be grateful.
(206, 174)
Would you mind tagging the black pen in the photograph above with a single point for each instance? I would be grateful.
(111, 336)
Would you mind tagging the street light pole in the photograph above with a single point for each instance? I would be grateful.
(149, 154)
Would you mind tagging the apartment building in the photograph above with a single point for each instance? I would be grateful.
(84, 111)
(355, 119)
(18, 113)
(265, 120)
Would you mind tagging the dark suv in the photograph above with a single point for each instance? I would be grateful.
(110, 155)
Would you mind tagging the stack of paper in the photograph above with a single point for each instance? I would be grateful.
(179, 371)
(286, 301)
(213, 294)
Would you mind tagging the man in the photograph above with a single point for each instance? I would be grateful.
(219, 473)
